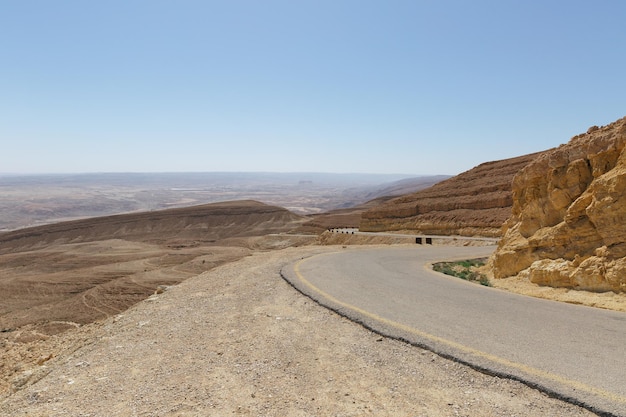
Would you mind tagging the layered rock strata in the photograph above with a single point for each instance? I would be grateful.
(476, 202)
(568, 222)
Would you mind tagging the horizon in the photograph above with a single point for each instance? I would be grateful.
(214, 172)
(247, 173)
(332, 87)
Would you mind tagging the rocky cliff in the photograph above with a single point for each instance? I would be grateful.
(568, 222)
(476, 202)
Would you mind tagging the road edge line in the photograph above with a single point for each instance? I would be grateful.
(344, 309)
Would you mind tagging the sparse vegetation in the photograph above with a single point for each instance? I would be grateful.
(467, 270)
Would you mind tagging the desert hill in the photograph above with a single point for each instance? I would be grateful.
(57, 276)
(568, 222)
(475, 202)
(205, 223)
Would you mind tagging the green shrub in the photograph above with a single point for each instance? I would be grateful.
(464, 269)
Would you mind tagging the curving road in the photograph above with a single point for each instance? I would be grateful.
(572, 352)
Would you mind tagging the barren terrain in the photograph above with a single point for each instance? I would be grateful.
(183, 313)
(238, 340)
(58, 276)
(31, 200)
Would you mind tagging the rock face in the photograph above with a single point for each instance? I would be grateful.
(568, 222)
(476, 202)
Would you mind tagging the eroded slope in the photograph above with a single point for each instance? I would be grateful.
(61, 275)
(476, 202)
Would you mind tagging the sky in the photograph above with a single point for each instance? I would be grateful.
(344, 86)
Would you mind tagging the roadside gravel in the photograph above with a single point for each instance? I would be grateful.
(238, 340)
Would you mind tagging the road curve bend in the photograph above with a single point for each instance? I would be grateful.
(571, 352)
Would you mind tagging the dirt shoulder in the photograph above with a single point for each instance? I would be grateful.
(238, 340)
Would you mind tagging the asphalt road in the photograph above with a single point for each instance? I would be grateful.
(572, 352)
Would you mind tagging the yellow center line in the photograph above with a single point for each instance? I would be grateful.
(475, 352)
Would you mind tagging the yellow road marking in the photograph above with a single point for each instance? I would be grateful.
(478, 353)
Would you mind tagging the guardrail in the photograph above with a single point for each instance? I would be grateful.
(419, 238)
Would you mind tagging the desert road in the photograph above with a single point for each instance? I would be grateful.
(571, 352)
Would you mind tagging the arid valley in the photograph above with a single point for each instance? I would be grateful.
(312, 209)
(147, 310)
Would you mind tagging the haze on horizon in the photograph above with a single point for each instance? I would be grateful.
(402, 86)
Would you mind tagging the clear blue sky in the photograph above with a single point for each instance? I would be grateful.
(388, 86)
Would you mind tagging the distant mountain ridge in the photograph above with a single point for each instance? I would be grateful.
(31, 200)
(407, 186)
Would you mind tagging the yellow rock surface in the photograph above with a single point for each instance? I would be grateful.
(568, 222)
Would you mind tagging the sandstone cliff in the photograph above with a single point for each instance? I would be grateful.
(476, 202)
(568, 222)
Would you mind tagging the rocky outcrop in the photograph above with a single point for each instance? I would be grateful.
(476, 202)
(568, 222)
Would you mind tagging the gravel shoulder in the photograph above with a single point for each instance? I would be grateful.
(238, 340)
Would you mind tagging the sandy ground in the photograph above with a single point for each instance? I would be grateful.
(521, 285)
(238, 340)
